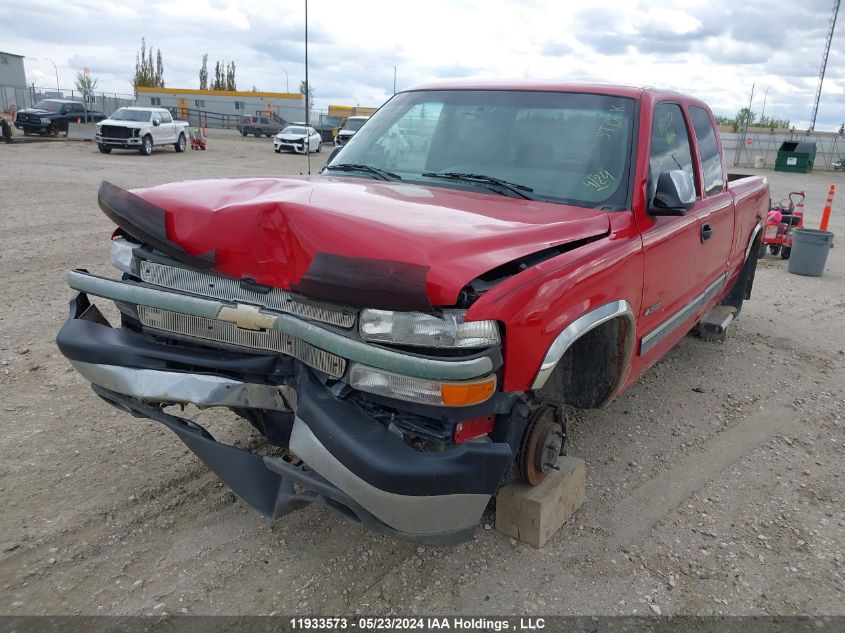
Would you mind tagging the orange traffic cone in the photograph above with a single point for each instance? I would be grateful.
(827, 207)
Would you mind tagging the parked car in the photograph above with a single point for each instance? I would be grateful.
(51, 116)
(348, 129)
(293, 139)
(259, 125)
(408, 327)
(141, 129)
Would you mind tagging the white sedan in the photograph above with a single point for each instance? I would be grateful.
(293, 139)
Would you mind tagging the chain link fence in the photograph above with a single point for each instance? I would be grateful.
(13, 98)
(745, 149)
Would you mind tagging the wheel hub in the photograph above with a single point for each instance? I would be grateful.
(541, 445)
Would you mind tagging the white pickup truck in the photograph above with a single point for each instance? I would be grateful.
(141, 129)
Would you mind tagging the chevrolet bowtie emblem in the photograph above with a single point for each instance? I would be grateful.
(247, 317)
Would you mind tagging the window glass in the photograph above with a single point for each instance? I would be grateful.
(571, 148)
(711, 158)
(165, 117)
(670, 146)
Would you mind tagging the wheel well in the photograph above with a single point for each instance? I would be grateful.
(590, 371)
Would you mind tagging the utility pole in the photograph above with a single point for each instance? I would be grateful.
(763, 111)
(741, 140)
(287, 85)
(824, 63)
(307, 96)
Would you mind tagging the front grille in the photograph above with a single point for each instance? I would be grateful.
(228, 289)
(230, 334)
(115, 131)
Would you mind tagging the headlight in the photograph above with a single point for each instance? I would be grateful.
(426, 330)
(441, 394)
(45, 121)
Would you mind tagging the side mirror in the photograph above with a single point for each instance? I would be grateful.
(156, 122)
(675, 194)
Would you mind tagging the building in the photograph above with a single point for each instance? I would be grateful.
(13, 92)
(11, 70)
(223, 108)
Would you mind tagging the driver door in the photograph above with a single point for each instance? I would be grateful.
(670, 243)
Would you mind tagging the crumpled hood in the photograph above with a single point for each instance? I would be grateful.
(361, 237)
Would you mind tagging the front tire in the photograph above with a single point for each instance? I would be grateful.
(104, 149)
(147, 145)
(319, 147)
(180, 144)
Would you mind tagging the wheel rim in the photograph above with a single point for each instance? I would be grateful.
(147, 146)
(182, 142)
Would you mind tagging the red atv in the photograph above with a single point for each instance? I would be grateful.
(782, 220)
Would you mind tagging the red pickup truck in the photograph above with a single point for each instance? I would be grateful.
(408, 326)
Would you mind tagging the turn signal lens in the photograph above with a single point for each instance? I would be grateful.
(464, 395)
(441, 394)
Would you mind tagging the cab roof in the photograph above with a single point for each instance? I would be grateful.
(619, 90)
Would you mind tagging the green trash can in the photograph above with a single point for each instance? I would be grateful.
(796, 156)
(809, 252)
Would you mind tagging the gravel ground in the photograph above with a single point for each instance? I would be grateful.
(714, 484)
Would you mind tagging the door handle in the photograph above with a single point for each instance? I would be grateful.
(706, 232)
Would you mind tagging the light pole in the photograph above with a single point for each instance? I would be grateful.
(287, 85)
(57, 72)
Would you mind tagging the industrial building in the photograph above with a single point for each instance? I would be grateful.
(223, 108)
(13, 90)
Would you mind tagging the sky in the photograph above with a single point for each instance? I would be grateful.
(713, 49)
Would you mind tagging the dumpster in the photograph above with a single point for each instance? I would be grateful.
(796, 156)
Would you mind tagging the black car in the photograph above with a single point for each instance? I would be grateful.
(51, 116)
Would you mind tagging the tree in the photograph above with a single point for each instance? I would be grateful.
(217, 84)
(745, 117)
(204, 73)
(224, 76)
(230, 77)
(148, 73)
(308, 91)
(85, 83)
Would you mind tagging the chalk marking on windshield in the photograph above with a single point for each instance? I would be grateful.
(600, 180)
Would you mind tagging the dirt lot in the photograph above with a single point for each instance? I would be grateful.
(714, 485)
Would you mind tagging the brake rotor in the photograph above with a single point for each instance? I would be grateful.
(541, 445)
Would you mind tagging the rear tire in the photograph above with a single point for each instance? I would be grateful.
(180, 144)
(774, 249)
(146, 145)
(786, 252)
(761, 252)
(104, 149)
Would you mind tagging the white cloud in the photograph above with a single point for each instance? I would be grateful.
(715, 49)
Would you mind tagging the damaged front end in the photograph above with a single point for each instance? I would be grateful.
(392, 419)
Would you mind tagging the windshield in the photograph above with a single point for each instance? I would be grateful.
(564, 147)
(353, 125)
(49, 106)
(125, 114)
(293, 130)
